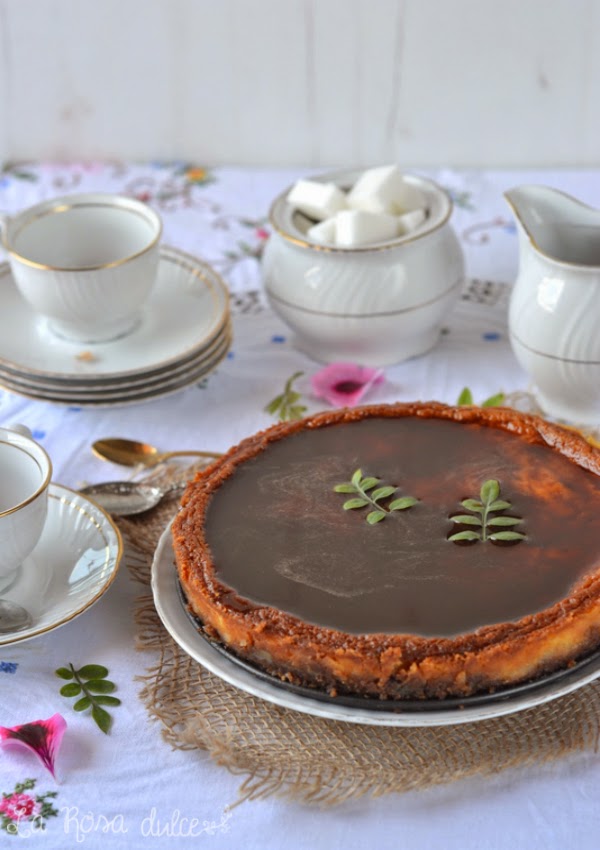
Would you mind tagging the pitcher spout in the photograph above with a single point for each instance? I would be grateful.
(556, 225)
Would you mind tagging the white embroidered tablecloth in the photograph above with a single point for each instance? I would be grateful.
(128, 788)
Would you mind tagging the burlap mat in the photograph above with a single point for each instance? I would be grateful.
(312, 760)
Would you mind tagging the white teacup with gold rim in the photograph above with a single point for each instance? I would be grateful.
(25, 472)
(86, 262)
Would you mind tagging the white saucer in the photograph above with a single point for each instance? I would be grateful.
(188, 307)
(138, 395)
(131, 388)
(75, 561)
(170, 610)
(87, 383)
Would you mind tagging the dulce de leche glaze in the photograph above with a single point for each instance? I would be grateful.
(279, 537)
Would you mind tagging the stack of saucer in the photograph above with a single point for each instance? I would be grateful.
(185, 331)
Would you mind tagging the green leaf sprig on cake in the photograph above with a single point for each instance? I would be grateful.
(368, 494)
(483, 515)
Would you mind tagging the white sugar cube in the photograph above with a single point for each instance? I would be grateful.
(323, 233)
(358, 227)
(317, 200)
(384, 190)
(409, 221)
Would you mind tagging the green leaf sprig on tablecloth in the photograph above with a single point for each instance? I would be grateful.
(466, 399)
(285, 406)
(484, 515)
(90, 684)
(366, 495)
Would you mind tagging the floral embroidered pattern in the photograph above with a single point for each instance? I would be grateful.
(244, 249)
(481, 232)
(195, 174)
(461, 199)
(8, 666)
(172, 187)
(18, 807)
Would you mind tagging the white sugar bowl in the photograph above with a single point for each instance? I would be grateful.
(376, 304)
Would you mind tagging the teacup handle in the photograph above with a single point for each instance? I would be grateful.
(21, 429)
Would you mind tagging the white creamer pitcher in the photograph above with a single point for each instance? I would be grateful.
(554, 315)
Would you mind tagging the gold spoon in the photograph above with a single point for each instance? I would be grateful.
(132, 453)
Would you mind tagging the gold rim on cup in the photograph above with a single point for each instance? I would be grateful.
(61, 205)
(44, 483)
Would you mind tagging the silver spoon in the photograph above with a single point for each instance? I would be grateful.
(124, 498)
(13, 617)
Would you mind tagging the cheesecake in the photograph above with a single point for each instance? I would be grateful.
(405, 551)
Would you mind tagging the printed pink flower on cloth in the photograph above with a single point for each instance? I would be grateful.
(19, 806)
(344, 384)
(42, 737)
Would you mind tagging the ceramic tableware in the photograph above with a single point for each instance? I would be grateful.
(184, 332)
(86, 263)
(126, 396)
(74, 563)
(196, 372)
(554, 310)
(186, 309)
(375, 304)
(25, 471)
(189, 372)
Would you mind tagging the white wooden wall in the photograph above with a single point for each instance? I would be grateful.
(308, 82)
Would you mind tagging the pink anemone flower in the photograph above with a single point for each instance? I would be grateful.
(344, 384)
(42, 737)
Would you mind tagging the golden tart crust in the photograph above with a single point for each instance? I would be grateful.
(384, 665)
